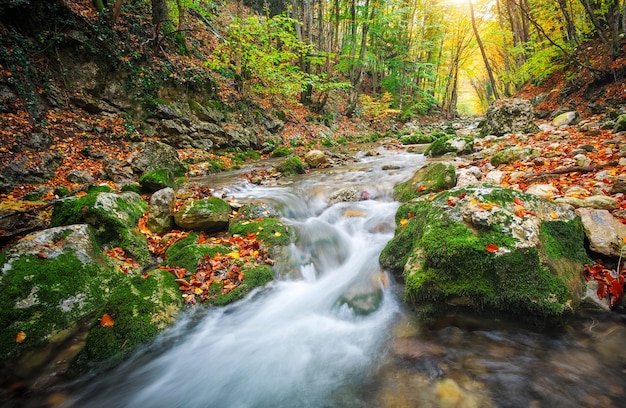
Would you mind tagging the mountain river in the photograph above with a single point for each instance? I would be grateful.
(299, 343)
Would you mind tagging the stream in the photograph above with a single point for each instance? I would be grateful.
(299, 343)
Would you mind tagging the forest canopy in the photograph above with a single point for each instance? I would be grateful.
(409, 57)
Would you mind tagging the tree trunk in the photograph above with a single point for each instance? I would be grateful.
(117, 9)
(492, 80)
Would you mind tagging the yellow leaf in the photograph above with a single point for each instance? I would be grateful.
(197, 291)
(473, 201)
(260, 228)
(403, 222)
(234, 255)
(277, 234)
(20, 337)
(554, 215)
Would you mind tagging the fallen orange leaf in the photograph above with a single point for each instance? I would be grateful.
(491, 248)
(20, 337)
(554, 215)
(106, 321)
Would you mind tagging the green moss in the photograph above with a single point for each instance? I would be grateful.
(445, 145)
(563, 238)
(292, 165)
(269, 230)
(104, 188)
(192, 238)
(157, 179)
(446, 262)
(112, 216)
(254, 277)
(62, 191)
(188, 256)
(282, 151)
(141, 308)
(53, 294)
(132, 187)
(416, 138)
(432, 178)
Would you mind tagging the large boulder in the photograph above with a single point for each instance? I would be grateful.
(157, 155)
(113, 216)
(510, 116)
(161, 210)
(606, 234)
(50, 280)
(486, 248)
(566, 119)
(207, 214)
(432, 178)
(450, 144)
(513, 154)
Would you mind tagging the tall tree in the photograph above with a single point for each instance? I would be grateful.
(492, 80)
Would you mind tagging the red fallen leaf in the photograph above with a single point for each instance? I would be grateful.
(42, 255)
(491, 248)
(106, 321)
(518, 201)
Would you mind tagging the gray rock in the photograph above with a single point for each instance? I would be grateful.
(590, 299)
(619, 186)
(208, 214)
(345, 194)
(161, 211)
(604, 232)
(315, 158)
(510, 116)
(79, 176)
(513, 154)
(465, 178)
(156, 155)
(546, 191)
(600, 202)
(566, 119)
(121, 175)
(163, 111)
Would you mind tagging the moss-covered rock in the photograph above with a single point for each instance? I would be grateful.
(113, 216)
(254, 276)
(269, 230)
(416, 138)
(188, 256)
(620, 123)
(292, 165)
(141, 307)
(187, 253)
(432, 178)
(157, 179)
(486, 248)
(207, 214)
(450, 144)
(157, 155)
(50, 280)
(513, 154)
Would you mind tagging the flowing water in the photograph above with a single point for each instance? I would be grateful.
(305, 340)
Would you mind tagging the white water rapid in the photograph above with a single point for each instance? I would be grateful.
(294, 343)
